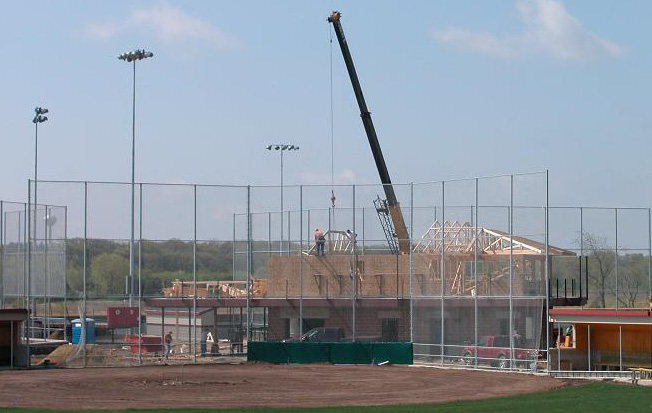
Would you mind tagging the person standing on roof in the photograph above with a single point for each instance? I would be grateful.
(320, 240)
(352, 236)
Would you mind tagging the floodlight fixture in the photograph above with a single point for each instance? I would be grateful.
(38, 112)
(282, 147)
(138, 54)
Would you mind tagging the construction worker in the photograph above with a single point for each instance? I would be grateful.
(352, 236)
(167, 343)
(320, 240)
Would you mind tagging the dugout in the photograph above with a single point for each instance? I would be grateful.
(12, 352)
(601, 339)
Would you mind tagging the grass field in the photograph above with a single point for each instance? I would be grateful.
(594, 397)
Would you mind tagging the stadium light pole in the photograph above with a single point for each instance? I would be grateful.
(282, 147)
(129, 57)
(39, 117)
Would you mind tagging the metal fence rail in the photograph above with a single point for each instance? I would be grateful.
(575, 374)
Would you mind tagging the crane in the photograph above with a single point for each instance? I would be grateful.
(391, 205)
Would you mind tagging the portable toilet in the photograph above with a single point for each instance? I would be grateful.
(77, 331)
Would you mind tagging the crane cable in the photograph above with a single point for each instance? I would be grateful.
(330, 29)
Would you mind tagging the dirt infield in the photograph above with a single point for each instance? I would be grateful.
(256, 385)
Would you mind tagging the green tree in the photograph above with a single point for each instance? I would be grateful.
(74, 279)
(108, 272)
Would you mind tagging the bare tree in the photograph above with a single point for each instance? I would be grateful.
(601, 267)
(629, 293)
(632, 272)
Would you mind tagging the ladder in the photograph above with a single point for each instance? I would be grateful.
(386, 222)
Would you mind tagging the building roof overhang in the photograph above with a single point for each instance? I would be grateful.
(13, 314)
(601, 316)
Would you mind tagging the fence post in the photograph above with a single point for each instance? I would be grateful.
(354, 279)
(411, 262)
(83, 314)
(248, 283)
(616, 257)
(300, 260)
(443, 268)
(194, 275)
(547, 270)
(511, 272)
(475, 276)
(140, 282)
(29, 270)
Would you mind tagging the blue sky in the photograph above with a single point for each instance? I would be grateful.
(456, 89)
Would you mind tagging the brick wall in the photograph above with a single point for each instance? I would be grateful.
(388, 276)
(368, 320)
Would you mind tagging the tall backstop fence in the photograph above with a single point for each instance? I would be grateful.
(38, 284)
(197, 271)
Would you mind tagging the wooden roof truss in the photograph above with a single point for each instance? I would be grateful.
(460, 237)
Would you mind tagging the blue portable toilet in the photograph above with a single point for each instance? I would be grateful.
(77, 331)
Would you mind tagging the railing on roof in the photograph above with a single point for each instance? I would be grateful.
(593, 374)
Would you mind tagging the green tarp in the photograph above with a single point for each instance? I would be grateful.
(357, 352)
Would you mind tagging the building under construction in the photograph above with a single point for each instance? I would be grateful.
(454, 287)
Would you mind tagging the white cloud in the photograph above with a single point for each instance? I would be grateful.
(549, 29)
(484, 43)
(168, 24)
(102, 31)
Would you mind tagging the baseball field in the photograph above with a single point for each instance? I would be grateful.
(320, 388)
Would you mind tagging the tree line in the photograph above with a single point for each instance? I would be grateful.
(613, 279)
(160, 263)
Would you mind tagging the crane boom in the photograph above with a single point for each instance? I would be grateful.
(392, 202)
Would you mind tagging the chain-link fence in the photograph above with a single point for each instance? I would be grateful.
(612, 247)
(39, 283)
(205, 269)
